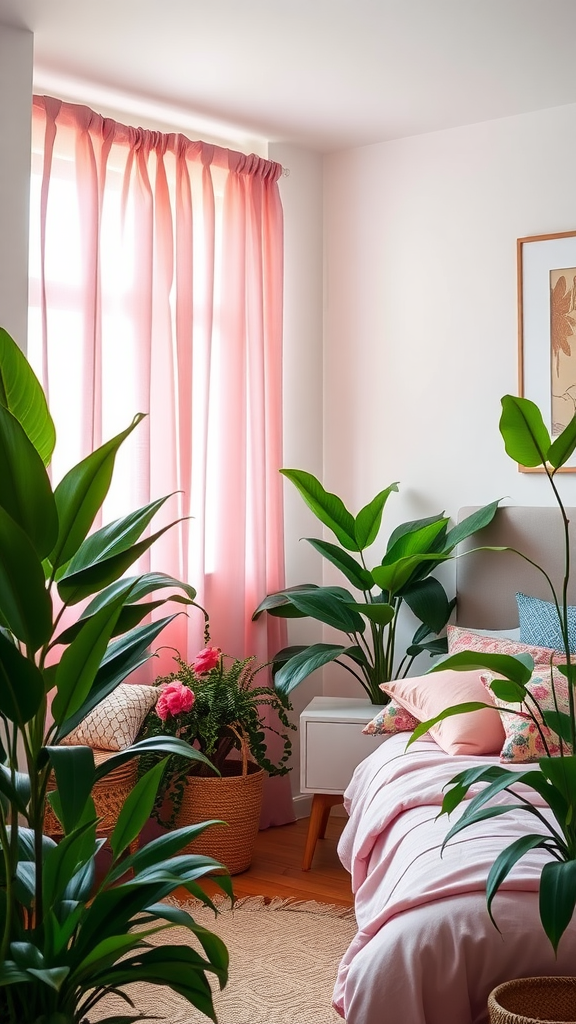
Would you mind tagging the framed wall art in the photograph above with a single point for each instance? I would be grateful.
(547, 329)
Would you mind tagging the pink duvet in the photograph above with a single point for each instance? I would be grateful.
(426, 951)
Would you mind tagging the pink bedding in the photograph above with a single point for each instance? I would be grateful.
(426, 951)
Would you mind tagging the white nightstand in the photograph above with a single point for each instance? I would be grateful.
(332, 744)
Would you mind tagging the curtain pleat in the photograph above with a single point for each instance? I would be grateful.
(171, 305)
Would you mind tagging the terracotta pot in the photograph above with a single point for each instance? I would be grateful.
(534, 1000)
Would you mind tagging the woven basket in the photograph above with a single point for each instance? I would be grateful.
(109, 795)
(236, 798)
(532, 1000)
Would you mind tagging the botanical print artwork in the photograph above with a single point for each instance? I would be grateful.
(562, 347)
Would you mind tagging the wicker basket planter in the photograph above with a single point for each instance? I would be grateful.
(236, 798)
(534, 1000)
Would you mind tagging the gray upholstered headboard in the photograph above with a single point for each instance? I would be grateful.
(487, 581)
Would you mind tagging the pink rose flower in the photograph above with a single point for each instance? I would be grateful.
(173, 700)
(206, 660)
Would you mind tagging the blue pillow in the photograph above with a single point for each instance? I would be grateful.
(540, 625)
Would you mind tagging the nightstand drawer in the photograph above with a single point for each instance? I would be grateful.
(333, 750)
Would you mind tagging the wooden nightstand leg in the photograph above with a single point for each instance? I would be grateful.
(321, 804)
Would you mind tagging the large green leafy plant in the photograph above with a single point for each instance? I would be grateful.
(220, 709)
(370, 618)
(67, 936)
(528, 442)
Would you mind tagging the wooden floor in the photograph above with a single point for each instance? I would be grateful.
(276, 868)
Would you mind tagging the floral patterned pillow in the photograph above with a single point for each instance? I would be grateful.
(523, 742)
(390, 719)
(462, 639)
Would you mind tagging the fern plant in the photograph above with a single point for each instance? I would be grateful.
(218, 709)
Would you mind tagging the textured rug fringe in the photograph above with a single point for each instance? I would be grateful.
(272, 903)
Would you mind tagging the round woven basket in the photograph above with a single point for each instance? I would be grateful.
(109, 795)
(533, 1001)
(236, 798)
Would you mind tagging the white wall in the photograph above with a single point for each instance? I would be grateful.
(421, 331)
(301, 192)
(16, 53)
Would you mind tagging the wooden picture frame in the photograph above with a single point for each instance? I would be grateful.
(547, 329)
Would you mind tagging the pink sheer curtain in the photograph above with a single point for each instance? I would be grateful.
(156, 287)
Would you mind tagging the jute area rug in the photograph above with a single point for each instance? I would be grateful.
(284, 958)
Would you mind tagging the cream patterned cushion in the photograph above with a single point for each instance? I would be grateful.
(115, 723)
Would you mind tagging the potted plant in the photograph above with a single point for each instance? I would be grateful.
(214, 704)
(65, 939)
(553, 778)
(370, 618)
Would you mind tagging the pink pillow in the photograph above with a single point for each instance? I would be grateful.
(461, 639)
(474, 732)
(523, 740)
(390, 719)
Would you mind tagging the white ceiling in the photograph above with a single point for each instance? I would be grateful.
(325, 74)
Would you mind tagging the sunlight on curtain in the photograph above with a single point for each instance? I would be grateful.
(156, 287)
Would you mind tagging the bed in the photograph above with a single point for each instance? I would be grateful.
(425, 951)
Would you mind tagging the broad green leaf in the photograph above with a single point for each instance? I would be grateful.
(26, 954)
(435, 648)
(375, 611)
(428, 601)
(560, 723)
(130, 616)
(561, 449)
(54, 977)
(526, 438)
(81, 661)
(136, 809)
(561, 772)
(302, 665)
(122, 657)
(10, 974)
(63, 861)
(505, 689)
(22, 395)
(114, 538)
(323, 606)
(24, 600)
(74, 772)
(151, 745)
(80, 494)
(392, 577)
(518, 667)
(160, 849)
(368, 520)
(26, 494)
(21, 684)
(357, 575)
(485, 815)
(285, 654)
(212, 944)
(557, 898)
(474, 522)
(462, 782)
(506, 860)
(16, 787)
(415, 542)
(327, 507)
(178, 967)
(142, 586)
(412, 526)
(83, 577)
(457, 709)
